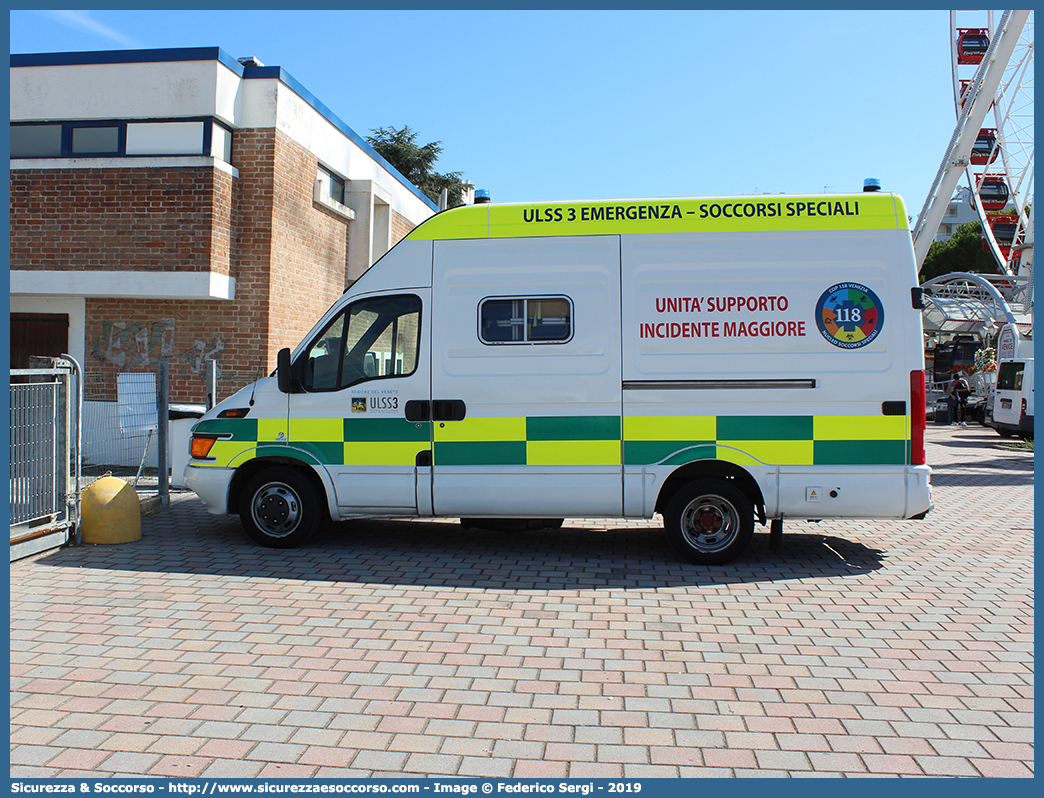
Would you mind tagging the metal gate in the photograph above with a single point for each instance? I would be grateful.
(45, 456)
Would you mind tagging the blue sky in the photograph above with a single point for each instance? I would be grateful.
(548, 105)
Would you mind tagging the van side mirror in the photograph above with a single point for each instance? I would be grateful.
(283, 377)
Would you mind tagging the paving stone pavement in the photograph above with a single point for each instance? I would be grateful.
(418, 648)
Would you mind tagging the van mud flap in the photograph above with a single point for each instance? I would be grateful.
(776, 535)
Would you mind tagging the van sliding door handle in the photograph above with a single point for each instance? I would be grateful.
(418, 410)
(439, 410)
(448, 410)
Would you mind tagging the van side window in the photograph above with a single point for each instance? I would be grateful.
(370, 339)
(526, 320)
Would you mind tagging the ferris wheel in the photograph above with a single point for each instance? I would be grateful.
(1000, 172)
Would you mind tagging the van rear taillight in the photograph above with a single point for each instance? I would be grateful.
(1023, 413)
(918, 417)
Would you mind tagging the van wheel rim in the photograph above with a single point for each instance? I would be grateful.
(710, 523)
(276, 509)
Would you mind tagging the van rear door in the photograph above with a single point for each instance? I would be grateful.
(1014, 386)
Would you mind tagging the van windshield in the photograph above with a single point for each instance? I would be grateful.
(370, 339)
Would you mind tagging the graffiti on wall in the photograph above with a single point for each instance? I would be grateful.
(197, 357)
(134, 345)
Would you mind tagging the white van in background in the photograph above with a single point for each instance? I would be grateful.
(1013, 402)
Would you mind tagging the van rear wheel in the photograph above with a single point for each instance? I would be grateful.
(280, 508)
(709, 521)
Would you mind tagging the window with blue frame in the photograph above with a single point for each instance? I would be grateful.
(333, 185)
(121, 138)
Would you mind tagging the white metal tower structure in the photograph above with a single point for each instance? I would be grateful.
(974, 99)
(1001, 176)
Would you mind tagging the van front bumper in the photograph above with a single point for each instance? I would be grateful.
(211, 485)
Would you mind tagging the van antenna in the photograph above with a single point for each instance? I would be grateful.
(253, 385)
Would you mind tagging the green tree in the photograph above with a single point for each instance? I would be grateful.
(962, 252)
(399, 147)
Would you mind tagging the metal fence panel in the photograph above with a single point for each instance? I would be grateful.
(119, 432)
(34, 452)
(44, 459)
(60, 444)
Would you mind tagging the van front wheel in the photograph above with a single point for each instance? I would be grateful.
(709, 521)
(280, 508)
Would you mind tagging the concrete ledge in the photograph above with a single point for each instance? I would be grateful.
(150, 504)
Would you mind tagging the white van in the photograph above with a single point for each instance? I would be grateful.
(714, 360)
(1013, 402)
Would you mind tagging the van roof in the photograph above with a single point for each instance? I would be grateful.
(750, 213)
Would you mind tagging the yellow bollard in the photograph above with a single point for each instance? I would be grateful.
(110, 512)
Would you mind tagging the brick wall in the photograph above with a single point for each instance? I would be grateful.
(125, 335)
(160, 219)
(309, 248)
(400, 227)
(288, 256)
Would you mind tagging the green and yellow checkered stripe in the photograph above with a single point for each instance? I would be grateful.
(541, 440)
(771, 440)
(569, 440)
(329, 441)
